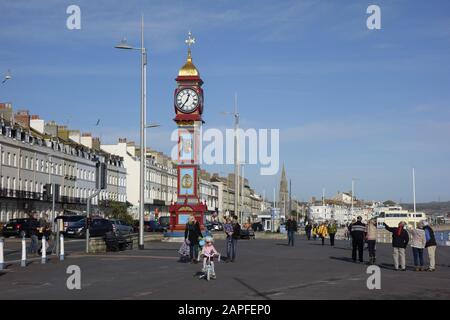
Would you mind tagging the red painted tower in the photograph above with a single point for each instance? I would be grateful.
(188, 105)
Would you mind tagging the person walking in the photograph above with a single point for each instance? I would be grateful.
(430, 245)
(291, 227)
(314, 231)
(418, 244)
(323, 232)
(332, 229)
(228, 229)
(358, 232)
(235, 237)
(34, 245)
(400, 239)
(371, 238)
(192, 233)
(349, 232)
(308, 228)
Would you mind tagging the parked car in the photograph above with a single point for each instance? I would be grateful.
(164, 222)
(213, 226)
(98, 228)
(68, 221)
(150, 226)
(121, 226)
(257, 226)
(154, 226)
(247, 234)
(19, 227)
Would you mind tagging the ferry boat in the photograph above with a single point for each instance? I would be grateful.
(392, 216)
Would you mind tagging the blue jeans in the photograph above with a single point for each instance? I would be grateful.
(193, 251)
(231, 248)
(418, 257)
(290, 237)
(34, 245)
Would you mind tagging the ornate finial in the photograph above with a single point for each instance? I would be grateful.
(190, 40)
(189, 69)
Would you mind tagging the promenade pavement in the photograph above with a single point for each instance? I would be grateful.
(264, 270)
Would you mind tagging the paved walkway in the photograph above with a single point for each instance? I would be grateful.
(265, 269)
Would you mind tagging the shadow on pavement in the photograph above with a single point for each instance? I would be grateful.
(259, 294)
(343, 248)
(282, 244)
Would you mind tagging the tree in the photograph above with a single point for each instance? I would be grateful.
(119, 210)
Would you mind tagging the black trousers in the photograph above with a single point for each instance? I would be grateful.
(308, 235)
(332, 239)
(371, 245)
(358, 245)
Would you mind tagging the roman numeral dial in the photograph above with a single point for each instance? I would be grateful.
(187, 100)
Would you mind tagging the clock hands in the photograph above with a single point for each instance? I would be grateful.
(186, 100)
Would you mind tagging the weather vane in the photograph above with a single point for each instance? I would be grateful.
(190, 40)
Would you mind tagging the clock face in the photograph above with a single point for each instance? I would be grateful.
(187, 100)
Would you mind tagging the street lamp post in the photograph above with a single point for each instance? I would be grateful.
(235, 114)
(125, 45)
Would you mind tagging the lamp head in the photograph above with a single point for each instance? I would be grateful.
(123, 45)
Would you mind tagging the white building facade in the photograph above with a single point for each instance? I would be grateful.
(31, 159)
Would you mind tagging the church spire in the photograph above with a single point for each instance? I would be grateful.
(283, 181)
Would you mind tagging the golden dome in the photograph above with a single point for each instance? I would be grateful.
(188, 70)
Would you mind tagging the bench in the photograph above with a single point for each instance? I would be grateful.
(117, 242)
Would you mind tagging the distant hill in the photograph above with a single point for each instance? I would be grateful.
(434, 208)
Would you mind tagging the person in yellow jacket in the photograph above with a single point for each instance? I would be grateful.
(314, 231)
(323, 231)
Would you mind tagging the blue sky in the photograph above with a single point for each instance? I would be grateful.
(350, 102)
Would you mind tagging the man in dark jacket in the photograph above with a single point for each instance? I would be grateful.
(291, 227)
(358, 233)
(400, 239)
(430, 245)
(308, 229)
(235, 237)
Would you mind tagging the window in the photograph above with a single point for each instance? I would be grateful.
(14, 160)
(26, 162)
(9, 159)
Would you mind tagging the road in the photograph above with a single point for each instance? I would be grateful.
(264, 270)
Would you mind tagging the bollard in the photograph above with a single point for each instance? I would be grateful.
(44, 251)
(61, 247)
(23, 262)
(2, 260)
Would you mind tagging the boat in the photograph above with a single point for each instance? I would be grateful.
(393, 215)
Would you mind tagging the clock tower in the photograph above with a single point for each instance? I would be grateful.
(188, 107)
